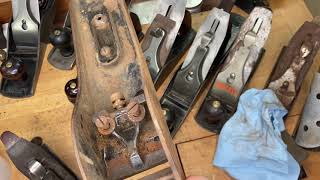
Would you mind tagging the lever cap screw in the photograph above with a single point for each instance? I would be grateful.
(9, 64)
(105, 51)
(216, 104)
(190, 76)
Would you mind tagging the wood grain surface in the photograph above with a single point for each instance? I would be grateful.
(48, 113)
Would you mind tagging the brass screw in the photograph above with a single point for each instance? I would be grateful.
(118, 100)
(216, 104)
(190, 76)
(9, 64)
(73, 85)
(105, 51)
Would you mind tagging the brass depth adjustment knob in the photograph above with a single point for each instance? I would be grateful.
(13, 69)
(71, 90)
(215, 112)
(61, 39)
(169, 117)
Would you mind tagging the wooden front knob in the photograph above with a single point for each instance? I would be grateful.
(13, 69)
(71, 90)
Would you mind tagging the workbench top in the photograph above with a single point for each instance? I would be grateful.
(48, 113)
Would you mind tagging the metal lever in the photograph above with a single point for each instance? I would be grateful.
(188, 81)
(151, 53)
(131, 145)
(162, 34)
(124, 124)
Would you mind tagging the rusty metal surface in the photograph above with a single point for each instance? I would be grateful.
(107, 63)
(294, 62)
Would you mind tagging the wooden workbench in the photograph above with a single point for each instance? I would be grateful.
(48, 113)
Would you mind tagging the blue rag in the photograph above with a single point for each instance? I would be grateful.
(250, 145)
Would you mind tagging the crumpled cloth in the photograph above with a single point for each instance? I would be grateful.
(250, 145)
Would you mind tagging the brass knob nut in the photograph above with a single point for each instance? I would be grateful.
(118, 100)
(216, 104)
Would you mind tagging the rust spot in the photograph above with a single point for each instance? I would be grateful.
(100, 21)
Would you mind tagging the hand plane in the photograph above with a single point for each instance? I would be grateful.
(118, 129)
(294, 62)
(170, 23)
(236, 70)
(34, 159)
(308, 135)
(202, 56)
(27, 31)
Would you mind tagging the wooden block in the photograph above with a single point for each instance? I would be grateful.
(196, 157)
(5, 11)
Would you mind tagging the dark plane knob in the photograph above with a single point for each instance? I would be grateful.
(71, 90)
(62, 40)
(13, 69)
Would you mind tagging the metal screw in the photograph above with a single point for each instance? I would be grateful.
(158, 32)
(216, 104)
(9, 64)
(190, 76)
(148, 58)
(231, 78)
(105, 51)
